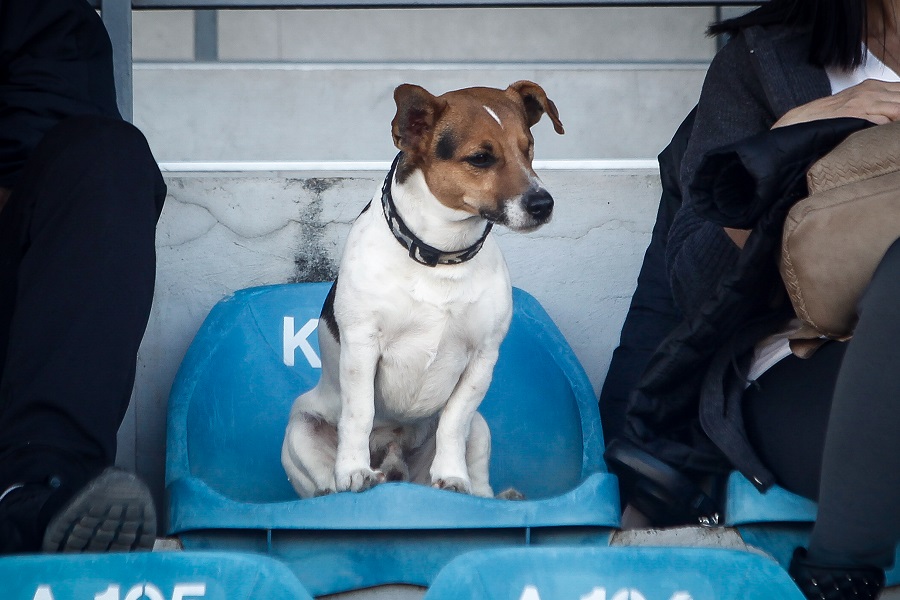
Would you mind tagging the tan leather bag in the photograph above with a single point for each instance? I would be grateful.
(834, 239)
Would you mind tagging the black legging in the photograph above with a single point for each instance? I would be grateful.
(829, 428)
(77, 268)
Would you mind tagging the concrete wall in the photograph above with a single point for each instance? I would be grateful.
(435, 35)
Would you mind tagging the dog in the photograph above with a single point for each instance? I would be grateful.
(422, 300)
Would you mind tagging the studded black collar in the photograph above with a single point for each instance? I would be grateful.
(419, 251)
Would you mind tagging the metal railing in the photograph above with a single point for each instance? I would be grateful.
(117, 18)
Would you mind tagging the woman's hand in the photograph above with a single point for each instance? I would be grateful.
(873, 100)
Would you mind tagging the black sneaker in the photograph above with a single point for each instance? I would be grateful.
(20, 521)
(821, 582)
(112, 512)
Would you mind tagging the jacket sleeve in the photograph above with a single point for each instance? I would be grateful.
(732, 107)
(55, 62)
(652, 314)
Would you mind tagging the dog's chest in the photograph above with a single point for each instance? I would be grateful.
(425, 349)
(428, 324)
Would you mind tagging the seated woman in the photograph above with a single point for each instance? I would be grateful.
(825, 426)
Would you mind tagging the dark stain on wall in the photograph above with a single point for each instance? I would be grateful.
(312, 261)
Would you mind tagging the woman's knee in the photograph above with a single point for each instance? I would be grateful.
(100, 141)
(110, 156)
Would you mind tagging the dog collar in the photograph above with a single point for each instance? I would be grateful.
(419, 251)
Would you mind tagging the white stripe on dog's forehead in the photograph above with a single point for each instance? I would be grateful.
(493, 114)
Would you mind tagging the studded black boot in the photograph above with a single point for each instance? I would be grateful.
(819, 582)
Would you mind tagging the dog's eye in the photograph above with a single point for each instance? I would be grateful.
(481, 160)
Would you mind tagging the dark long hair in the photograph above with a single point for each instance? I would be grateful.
(838, 27)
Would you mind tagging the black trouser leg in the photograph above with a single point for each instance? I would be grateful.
(862, 446)
(77, 270)
(828, 428)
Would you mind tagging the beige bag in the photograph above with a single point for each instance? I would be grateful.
(834, 239)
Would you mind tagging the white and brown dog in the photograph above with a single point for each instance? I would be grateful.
(414, 321)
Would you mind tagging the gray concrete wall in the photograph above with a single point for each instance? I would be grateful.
(478, 35)
(435, 35)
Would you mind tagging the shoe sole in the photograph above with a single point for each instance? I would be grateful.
(114, 512)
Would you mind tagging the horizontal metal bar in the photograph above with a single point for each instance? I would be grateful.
(244, 65)
(276, 4)
(375, 165)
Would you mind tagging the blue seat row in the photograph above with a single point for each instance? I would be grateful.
(229, 406)
(232, 507)
(559, 573)
(148, 576)
(257, 350)
(618, 573)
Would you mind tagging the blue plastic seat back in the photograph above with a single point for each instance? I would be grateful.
(744, 504)
(233, 393)
(777, 521)
(232, 396)
(148, 576)
(613, 573)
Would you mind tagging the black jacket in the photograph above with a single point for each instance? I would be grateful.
(685, 407)
(696, 374)
(683, 421)
(55, 62)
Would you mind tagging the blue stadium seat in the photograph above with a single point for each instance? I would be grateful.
(229, 406)
(617, 573)
(148, 576)
(777, 521)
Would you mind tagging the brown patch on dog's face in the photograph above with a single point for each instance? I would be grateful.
(475, 149)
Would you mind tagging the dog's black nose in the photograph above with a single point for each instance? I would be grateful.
(539, 204)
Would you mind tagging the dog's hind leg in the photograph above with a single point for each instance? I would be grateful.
(308, 455)
(478, 457)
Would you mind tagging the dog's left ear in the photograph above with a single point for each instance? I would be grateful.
(537, 103)
(417, 112)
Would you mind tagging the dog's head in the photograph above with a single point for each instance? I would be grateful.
(474, 147)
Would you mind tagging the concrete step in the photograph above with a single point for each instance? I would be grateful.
(417, 35)
(342, 111)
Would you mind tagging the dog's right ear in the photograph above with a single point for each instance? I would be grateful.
(417, 112)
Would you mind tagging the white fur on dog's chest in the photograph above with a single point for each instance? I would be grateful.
(424, 351)
(428, 323)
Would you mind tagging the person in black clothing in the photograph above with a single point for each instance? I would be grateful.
(825, 426)
(80, 196)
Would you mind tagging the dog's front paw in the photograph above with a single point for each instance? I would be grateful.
(358, 480)
(453, 484)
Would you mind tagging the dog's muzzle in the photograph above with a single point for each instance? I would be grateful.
(539, 204)
(523, 213)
